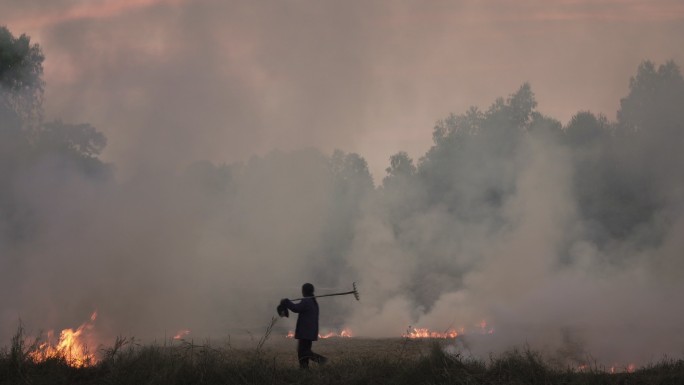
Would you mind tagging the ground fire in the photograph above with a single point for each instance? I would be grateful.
(71, 346)
(413, 332)
(344, 333)
(427, 333)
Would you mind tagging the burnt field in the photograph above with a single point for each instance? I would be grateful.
(272, 359)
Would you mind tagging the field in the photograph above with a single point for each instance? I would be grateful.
(272, 360)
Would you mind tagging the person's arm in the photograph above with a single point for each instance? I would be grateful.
(300, 307)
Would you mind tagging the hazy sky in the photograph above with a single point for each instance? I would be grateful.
(223, 80)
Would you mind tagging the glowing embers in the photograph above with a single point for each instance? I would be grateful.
(344, 333)
(413, 332)
(71, 346)
(614, 369)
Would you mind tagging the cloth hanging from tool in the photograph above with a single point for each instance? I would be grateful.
(282, 309)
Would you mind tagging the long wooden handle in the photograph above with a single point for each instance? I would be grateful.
(324, 295)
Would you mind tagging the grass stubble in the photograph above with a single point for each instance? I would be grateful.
(272, 360)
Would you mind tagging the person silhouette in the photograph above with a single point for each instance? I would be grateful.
(306, 331)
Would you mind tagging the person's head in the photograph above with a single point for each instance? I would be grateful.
(307, 290)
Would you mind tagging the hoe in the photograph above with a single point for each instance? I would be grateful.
(283, 312)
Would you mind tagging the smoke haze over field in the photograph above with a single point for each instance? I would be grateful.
(222, 190)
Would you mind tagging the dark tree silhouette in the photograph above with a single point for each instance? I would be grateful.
(21, 82)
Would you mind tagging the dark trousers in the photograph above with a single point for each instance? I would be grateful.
(305, 354)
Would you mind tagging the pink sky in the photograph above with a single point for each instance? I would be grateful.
(518, 10)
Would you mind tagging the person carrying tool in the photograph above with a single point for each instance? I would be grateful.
(307, 326)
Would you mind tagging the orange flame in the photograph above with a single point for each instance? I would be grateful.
(181, 333)
(481, 327)
(344, 333)
(71, 346)
(327, 335)
(427, 333)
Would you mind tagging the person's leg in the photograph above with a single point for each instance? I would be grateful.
(319, 358)
(315, 357)
(304, 353)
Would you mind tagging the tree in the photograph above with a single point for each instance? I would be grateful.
(401, 165)
(351, 170)
(545, 127)
(624, 173)
(21, 82)
(79, 144)
(585, 129)
(521, 105)
(80, 139)
(655, 100)
(23, 134)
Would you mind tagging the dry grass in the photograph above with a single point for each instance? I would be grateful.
(272, 360)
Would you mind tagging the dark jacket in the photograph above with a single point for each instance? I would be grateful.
(307, 321)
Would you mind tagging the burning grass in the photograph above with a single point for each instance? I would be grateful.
(71, 346)
(272, 359)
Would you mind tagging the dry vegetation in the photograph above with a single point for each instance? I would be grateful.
(272, 360)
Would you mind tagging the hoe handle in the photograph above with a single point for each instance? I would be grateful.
(324, 295)
(355, 292)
